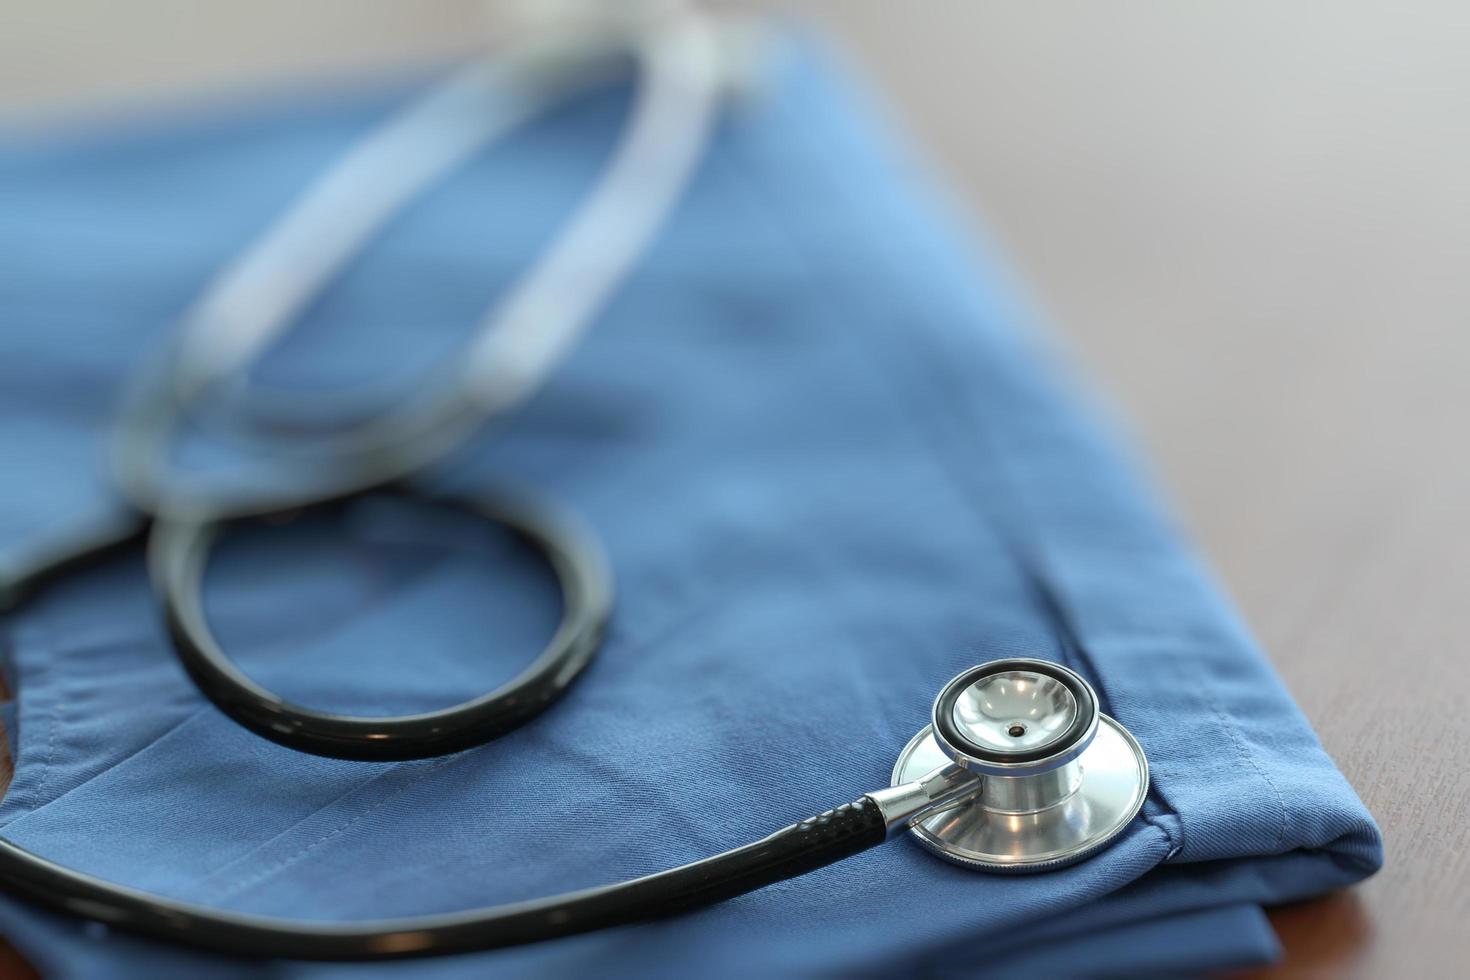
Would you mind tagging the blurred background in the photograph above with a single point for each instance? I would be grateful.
(1251, 224)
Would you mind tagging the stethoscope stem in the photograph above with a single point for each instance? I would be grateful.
(902, 805)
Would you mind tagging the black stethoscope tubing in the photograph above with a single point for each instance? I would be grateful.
(521, 339)
(179, 539)
(178, 553)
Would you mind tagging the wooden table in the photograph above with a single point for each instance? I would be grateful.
(1252, 222)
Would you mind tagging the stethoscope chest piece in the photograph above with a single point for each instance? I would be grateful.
(1059, 779)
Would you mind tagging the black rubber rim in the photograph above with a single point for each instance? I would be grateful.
(949, 733)
(178, 555)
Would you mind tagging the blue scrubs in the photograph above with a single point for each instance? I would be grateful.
(832, 468)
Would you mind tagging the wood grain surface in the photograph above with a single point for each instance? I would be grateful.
(1251, 221)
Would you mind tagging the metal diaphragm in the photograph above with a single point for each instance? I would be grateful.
(1060, 780)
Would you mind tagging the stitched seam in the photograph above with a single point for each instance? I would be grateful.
(243, 884)
(250, 881)
(57, 707)
(1249, 757)
(46, 668)
(150, 744)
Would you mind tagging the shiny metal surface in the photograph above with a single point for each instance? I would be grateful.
(1026, 794)
(1015, 711)
(949, 785)
(1021, 695)
(1111, 781)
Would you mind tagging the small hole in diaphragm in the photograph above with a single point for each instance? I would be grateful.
(1016, 731)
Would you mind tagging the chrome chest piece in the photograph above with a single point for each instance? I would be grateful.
(1058, 779)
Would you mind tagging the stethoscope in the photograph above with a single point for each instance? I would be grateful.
(1017, 770)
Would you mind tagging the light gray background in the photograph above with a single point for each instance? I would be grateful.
(1251, 222)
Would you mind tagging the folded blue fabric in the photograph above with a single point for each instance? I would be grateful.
(832, 469)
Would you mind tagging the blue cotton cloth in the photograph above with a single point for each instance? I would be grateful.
(832, 467)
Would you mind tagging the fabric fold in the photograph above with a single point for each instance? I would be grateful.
(833, 464)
